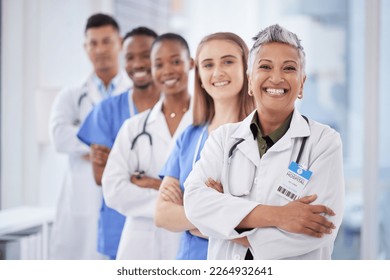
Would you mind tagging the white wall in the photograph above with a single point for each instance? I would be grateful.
(203, 17)
(41, 53)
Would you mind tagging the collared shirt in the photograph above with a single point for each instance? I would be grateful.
(106, 91)
(266, 142)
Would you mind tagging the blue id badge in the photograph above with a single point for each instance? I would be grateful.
(294, 181)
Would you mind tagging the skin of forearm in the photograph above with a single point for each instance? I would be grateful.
(172, 217)
(98, 173)
(154, 183)
(146, 182)
(261, 216)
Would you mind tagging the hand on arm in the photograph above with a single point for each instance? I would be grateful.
(216, 185)
(170, 191)
(196, 232)
(86, 157)
(145, 182)
(298, 216)
(169, 210)
(99, 155)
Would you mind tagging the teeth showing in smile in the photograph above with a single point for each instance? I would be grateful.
(140, 74)
(275, 91)
(220, 84)
(170, 82)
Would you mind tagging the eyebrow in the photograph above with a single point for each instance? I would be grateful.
(284, 62)
(138, 53)
(172, 56)
(222, 57)
(229, 56)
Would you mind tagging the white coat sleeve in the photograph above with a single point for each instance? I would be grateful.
(214, 214)
(119, 193)
(62, 125)
(327, 182)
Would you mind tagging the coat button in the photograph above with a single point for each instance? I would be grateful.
(255, 181)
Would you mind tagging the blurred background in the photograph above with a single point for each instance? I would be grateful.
(345, 42)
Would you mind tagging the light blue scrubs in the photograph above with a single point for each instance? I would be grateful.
(179, 166)
(101, 127)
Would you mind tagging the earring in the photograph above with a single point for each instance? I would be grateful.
(300, 96)
(250, 92)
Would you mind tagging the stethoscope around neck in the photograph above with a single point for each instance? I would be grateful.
(83, 96)
(140, 172)
(230, 158)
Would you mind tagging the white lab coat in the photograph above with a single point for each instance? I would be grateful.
(141, 239)
(217, 214)
(74, 233)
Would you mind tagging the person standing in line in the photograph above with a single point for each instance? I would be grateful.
(272, 166)
(74, 233)
(220, 96)
(130, 179)
(101, 126)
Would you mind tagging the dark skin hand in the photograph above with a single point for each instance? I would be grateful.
(146, 182)
(299, 216)
(86, 157)
(99, 155)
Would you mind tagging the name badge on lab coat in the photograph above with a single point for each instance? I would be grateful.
(294, 181)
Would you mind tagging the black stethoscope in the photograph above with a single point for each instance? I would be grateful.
(234, 148)
(139, 173)
(83, 96)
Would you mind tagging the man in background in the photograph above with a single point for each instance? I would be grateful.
(102, 125)
(74, 233)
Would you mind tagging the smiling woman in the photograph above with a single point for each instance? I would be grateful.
(130, 179)
(263, 147)
(221, 96)
(276, 80)
(336, 91)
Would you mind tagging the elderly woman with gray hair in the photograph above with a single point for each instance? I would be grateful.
(282, 174)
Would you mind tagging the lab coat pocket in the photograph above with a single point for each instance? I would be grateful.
(240, 175)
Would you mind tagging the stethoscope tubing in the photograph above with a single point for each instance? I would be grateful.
(234, 148)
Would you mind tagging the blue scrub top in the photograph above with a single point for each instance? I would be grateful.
(101, 127)
(179, 166)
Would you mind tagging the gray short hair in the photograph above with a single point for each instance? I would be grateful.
(275, 34)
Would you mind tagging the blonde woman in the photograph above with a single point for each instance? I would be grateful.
(221, 96)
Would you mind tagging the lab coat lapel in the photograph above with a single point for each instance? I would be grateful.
(248, 147)
(123, 85)
(93, 91)
(157, 123)
(298, 129)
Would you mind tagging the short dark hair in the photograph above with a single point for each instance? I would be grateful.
(172, 37)
(99, 20)
(141, 30)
